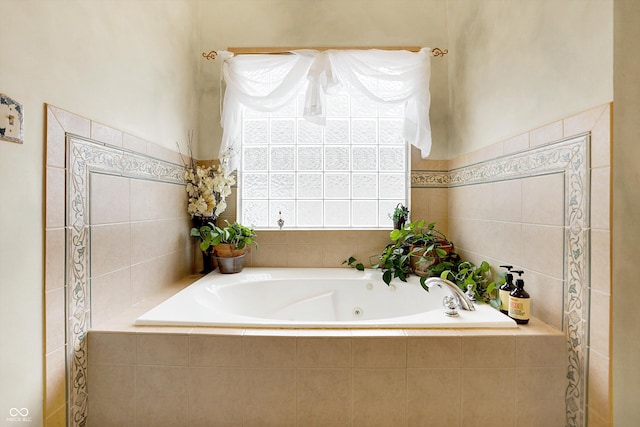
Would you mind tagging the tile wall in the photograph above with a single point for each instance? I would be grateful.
(521, 222)
(213, 377)
(502, 221)
(137, 240)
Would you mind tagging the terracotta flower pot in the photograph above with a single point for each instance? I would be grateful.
(226, 250)
(419, 265)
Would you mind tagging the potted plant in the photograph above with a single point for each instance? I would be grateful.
(229, 244)
(427, 245)
(414, 248)
(400, 216)
(207, 187)
(421, 249)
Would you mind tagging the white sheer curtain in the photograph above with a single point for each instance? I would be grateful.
(386, 77)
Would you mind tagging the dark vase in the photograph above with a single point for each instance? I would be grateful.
(208, 264)
(199, 221)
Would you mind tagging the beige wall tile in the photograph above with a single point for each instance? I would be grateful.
(207, 350)
(323, 397)
(487, 382)
(435, 351)
(548, 384)
(112, 390)
(304, 256)
(542, 248)
(111, 348)
(143, 241)
(269, 397)
(600, 322)
(379, 352)
(419, 208)
(600, 198)
(215, 397)
(55, 372)
(379, 397)
(269, 352)
(599, 383)
(55, 198)
(584, 121)
(541, 413)
(269, 255)
(517, 143)
(506, 244)
(55, 321)
(601, 140)
(57, 418)
(162, 349)
(543, 200)
(433, 397)
(109, 199)
(54, 258)
(134, 143)
(110, 248)
(106, 134)
(547, 298)
(507, 201)
(162, 396)
(56, 143)
(142, 200)
(145, 277)
(541, 351)
(546, 134)
(494, 352)
(601, 261)
(172, 237)
(110, 295)
(322, 352)
(438, 204)
(597, 420)
(72, 123)
(163, 153)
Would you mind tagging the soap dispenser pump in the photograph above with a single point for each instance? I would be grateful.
(519, 301)
(506, 289)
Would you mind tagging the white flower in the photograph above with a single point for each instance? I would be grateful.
(207, 188)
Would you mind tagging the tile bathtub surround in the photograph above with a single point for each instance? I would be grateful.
(331, 378)
(125, 214)
(527, 226)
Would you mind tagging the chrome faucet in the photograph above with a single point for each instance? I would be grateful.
(461, 299)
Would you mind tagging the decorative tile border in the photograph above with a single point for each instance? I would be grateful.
(571, 157)
(84, 157)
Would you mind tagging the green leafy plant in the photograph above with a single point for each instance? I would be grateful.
(414, 244)
(465, 273)
(400, 216)
(236, 235)
(419, 248)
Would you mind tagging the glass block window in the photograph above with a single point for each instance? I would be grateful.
(350, 173)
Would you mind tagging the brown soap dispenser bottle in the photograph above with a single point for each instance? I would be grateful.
(519, 301)
(506, 289)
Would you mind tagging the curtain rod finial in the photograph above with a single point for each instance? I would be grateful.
(436, 51)
(210, 55)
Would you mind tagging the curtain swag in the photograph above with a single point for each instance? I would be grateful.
(266, 83)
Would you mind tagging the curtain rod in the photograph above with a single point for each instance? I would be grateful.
(436, 51)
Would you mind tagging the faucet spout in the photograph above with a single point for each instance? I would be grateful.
(460, 297)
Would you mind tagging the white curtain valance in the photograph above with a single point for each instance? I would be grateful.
(386, 77)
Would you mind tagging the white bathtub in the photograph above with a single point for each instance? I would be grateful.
(314, 298)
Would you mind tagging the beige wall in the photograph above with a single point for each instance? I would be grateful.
(128, 64)
(517, 65)
(626, 211)
(232, 23)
